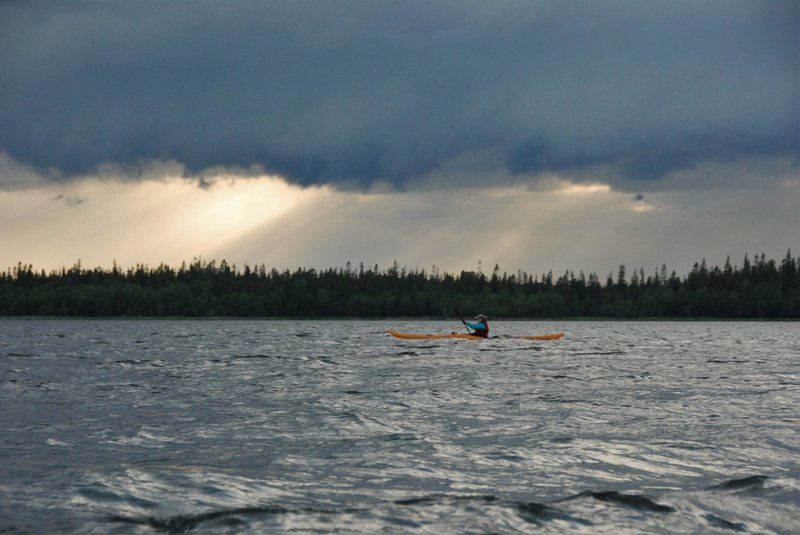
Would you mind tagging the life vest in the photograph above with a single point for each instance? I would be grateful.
(482, 332)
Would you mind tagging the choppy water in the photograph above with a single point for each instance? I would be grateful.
(332, 426)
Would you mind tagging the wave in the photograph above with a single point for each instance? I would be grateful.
(183, 523)
(632, 501)
(744, 484)
(539, 514)
(687, 508)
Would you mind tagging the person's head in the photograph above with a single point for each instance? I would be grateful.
(482, 318)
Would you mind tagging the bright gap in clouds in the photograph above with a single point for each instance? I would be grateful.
(551, 224)
(170, 220)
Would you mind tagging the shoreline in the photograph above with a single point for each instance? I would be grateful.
(405, 318)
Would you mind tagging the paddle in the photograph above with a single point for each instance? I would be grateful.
(462, 319)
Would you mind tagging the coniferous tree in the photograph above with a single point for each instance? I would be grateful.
(760, 289)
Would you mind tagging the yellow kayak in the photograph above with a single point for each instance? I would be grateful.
(465, 336)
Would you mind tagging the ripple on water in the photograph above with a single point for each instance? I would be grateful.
(251, 426)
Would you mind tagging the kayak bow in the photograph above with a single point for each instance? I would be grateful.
(465, 336)
(553, 336)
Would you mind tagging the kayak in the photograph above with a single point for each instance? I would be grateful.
(465, 336)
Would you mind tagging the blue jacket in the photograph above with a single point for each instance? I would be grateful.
(481, 328)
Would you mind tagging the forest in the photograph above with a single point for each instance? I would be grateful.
(759, 288)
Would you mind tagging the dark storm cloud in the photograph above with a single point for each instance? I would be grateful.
(357, 91)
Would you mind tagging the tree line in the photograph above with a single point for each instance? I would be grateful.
(759, 288)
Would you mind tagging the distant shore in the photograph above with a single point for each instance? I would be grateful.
(495, 321)
(760, 289)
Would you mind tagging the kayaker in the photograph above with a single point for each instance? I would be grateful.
(480, 325)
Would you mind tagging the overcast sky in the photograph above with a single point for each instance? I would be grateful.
(536, 135)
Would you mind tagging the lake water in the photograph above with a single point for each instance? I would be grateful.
(215, 426)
